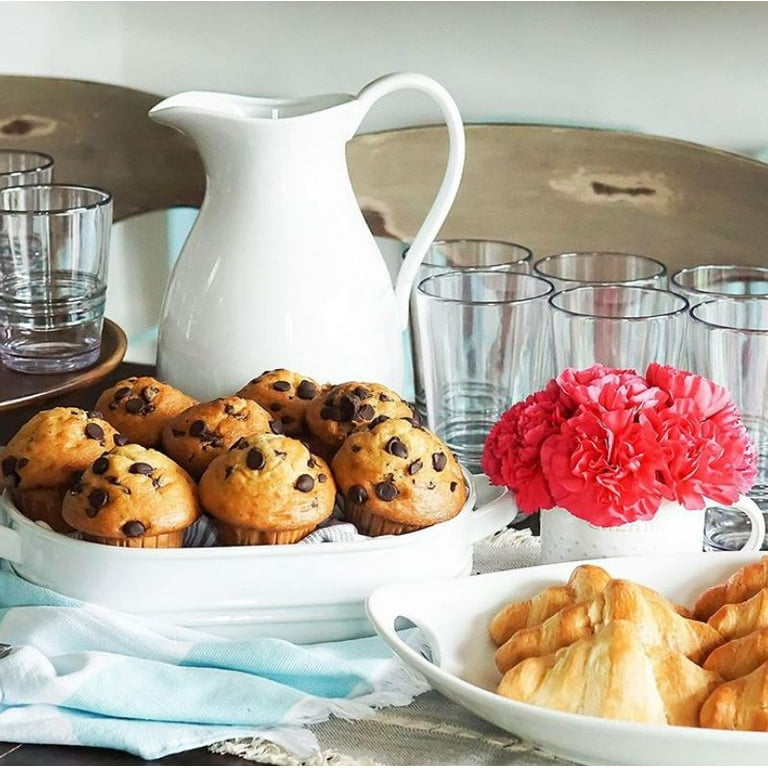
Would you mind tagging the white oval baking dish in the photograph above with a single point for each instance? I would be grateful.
(303, 592)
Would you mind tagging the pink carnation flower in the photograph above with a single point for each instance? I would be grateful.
(603, 467)
(511, 451)
(609, 388)
(609, 445)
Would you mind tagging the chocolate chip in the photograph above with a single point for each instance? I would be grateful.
(357, 494)
(361, 392)
(148, 394)
(255, 459)
(196, 428)
(431, 485)
(121, 440)
(229, 409)
(281, 386)
(98, 498)
(275, 407)
(416, 417)
(397, 447)
(415, 466)
(347, 408)
(8, 465)
(365, 412)
(386, 491)
(454, 485)
(439, 460)
(311, 463)
(100, 466)
(306, 390)
(134, 405)
(228, 471)
(276, 427)
(304, 483)
(384, 398)
(94, 431)
(121, 393)
(378, 420)
(327, 412)
(141, 468)
(134, 528)
(321, 478)
(95, 414)
(355, 448)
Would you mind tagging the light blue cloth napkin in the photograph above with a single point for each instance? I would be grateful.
(78, 674)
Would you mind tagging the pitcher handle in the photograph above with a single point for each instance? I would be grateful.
(449, 186)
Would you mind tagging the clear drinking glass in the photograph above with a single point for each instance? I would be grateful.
(710, 281)
(730, 346)
(17, 166)
(464, 254)
(53, 283)
(568, 270)
(621, 326)
(485, 344)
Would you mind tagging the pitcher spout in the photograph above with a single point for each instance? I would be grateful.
(184, 111)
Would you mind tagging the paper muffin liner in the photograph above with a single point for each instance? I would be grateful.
(370, 524)
(161, 541)
(238, 535)
(42, 504)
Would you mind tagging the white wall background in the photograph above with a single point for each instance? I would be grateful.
(690, 70)
(693, 70)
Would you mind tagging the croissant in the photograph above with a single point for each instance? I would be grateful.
(585, 582)
(615, 675)
(657, 624)
(741, 585)
(739, 619)
(739, 657)
(739, 705)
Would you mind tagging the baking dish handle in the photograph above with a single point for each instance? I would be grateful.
(492, 517)
(10, 544)
(383, 612)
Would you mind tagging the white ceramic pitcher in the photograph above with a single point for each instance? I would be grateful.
(280, 268)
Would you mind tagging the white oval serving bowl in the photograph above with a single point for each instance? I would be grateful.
(300, 592)
(454, 617)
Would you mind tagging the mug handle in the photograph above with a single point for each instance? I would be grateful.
(754, 514)
(446, 194)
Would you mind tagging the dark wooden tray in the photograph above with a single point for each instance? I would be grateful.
(18, 390)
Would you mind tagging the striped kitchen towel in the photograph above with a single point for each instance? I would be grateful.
(78, 674)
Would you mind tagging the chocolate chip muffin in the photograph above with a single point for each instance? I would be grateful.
(267, 489)
(133, 496)
(199, 434)
(286, 395)
(396, 477)
(140, 406)
(333, 416)
(46, 456)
